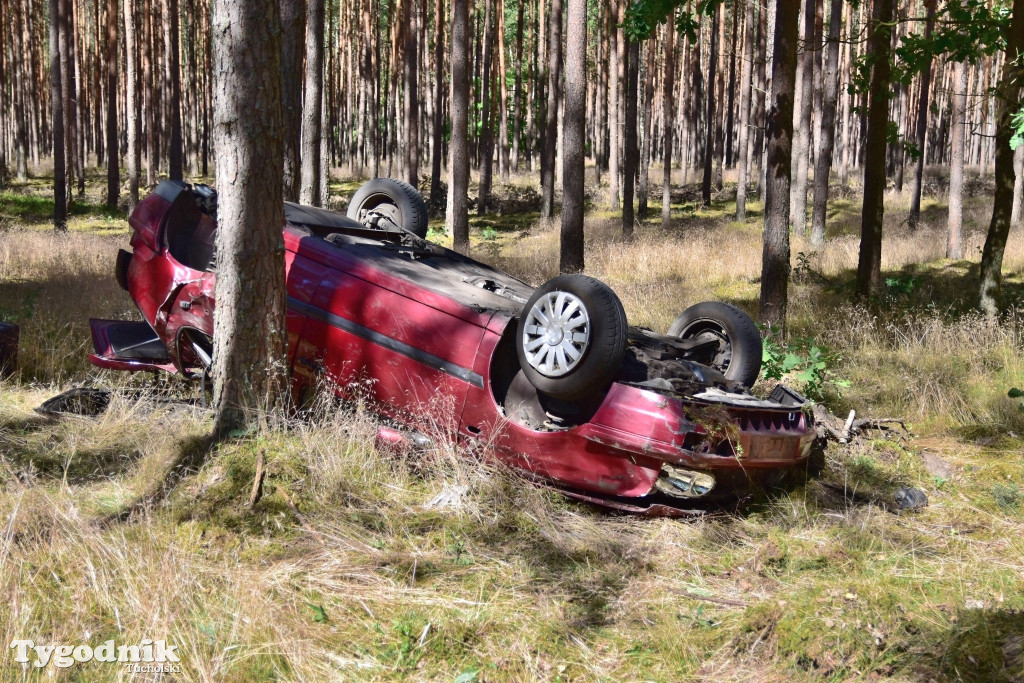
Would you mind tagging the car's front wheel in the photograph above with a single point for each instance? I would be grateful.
(398, 201)
(571, 337)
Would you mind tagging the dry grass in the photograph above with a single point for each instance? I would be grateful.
(368, 582)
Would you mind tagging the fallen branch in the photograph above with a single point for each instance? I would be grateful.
(719, 601)
(257, 482)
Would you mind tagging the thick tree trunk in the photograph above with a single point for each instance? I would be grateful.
(668, 99)
(775, 254)
(646, 146)
(745, 107)
(411, 105)
(293, 41)
(486, 125)
(823, 164)
(954, 225)
(922, 124)
(869, 265)
(458, 184)
(249, 372)
(309, 192)
(554, 48)
(517, 93)
(1007, 103)
(60, 190)
(113, 159)
(172, 84)
(615, 56)
(132, 104)
(710, 119)
(629, 144)
(437, 148)
(802, 139)
(573, 137)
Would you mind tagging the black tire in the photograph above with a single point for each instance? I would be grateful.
(599, 355)
(396, 199)
(738, 356)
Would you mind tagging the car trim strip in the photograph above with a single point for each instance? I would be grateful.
(419, 355)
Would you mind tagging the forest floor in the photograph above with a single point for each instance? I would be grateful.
(342, 571)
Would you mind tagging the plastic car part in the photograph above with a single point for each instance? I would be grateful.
(396, 200)
(571, 337)
(738, 351)
(679, 483)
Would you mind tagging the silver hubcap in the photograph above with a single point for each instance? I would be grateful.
(556, 334)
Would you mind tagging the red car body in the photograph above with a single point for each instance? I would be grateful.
(426, 335)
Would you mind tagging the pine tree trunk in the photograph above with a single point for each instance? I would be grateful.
(643, 191)
(802, 139)
(844, 159)
(745, 131)
(823, 163)
(614, 81)
(1018, 186)
(667, 101)
(870, 260)
(922, 125)
(517, 94)
(249, 373)
(113, 170)
(954, 234)
(309, 192)
(554, 49)
(437, 150)
(1007, 103)
(573, 137)
(487, 124)
(60, 206)
(132, 104)
(503, 92)
(410, 105)
(629, 143)
(730, 107)
(779, 124)
(458, 167)
(293, 41)
(709, 139)
(172, 85)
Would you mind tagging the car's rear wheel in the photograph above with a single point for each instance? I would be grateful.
(737, 350)
(397, 200)
(571, 337)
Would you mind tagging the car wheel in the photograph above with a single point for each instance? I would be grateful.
(399, 201)
(571, 337)
(738, 351)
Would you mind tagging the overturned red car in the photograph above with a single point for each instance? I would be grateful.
(552, 378)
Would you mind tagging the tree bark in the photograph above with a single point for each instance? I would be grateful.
(629, 143)
(132, 104)
(730, 107)
(486, 125)
(615, 56)
(554, 49)
(573, 138)
(710, 119)
(517, 94)
(668, 99)
(293, 40)
(172, 84)
(779, 123)
(646, 146)
(410, 106)
(437, 148)
(113, 159)
(60, 190)
(458, 185)
(746, 70)
(922, 124)
(802, 139)
(1007, 103)
(823, 164)
(311, 106)
(869, 265)
(249, 371)
(503, 92)
(954, 224)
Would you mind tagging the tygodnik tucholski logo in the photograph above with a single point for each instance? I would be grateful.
(149, 656)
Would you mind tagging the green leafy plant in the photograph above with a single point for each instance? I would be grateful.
(488, 233)
(804, 362)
